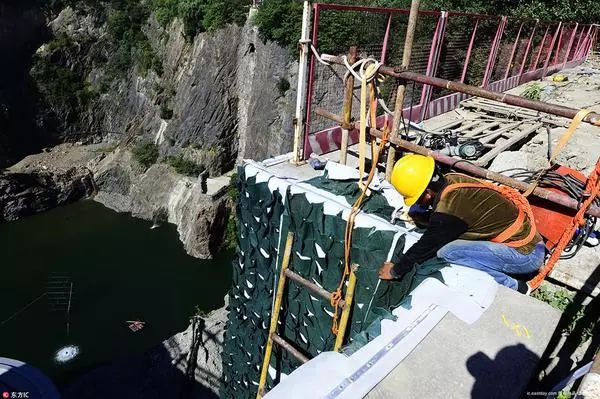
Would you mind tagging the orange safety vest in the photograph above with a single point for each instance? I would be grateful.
(517, 199)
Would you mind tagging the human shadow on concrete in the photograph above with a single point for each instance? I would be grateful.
(575, 330)
(504, 377)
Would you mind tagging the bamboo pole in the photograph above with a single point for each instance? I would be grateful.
(288, 347)
(399, 104)
(312, 287)
(275, 315)
(347, 108)
(339, 339)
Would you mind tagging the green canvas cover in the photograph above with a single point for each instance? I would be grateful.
(264, 217)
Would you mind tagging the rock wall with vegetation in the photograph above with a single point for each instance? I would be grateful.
(191, 77)
(164, 193)
(142, 70)
(22, 30)
(24, 194)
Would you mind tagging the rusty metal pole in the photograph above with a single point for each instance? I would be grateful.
(592, 118)
(347, 108)
(399, 105)
(475, 170)
(559, 110)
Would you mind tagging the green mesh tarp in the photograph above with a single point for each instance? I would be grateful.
(265, 213)
(376, 205)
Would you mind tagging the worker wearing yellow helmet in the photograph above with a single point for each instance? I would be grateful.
(469, 222)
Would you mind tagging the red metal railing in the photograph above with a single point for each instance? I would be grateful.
(494, 52)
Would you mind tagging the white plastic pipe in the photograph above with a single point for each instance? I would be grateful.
(301, 92)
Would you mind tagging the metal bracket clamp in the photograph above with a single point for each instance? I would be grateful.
(400, 68)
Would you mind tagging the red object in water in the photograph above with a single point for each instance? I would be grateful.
(136, 325)
(552, 219)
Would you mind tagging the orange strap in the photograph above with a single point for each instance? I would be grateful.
(592, 190)
(517, 199)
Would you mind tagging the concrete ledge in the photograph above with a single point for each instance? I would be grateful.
(493, 358)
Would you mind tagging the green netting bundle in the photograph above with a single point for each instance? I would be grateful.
(264, 218)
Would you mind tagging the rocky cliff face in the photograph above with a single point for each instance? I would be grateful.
(159, 194)
(223, 96)
(24, 194)
(43, 181)
(22, 31)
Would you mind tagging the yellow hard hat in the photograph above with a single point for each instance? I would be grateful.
(411, 176)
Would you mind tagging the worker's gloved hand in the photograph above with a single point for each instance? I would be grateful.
(387, 271)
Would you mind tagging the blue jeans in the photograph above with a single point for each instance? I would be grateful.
(497, 260)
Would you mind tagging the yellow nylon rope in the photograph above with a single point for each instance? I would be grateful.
(362, 141)
(336, 296)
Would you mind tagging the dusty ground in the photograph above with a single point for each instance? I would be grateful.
(62, 156)
(582, 90)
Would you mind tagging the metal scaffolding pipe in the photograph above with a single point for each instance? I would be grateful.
(312, 287)
(401, 88)
(288, 347)
(551, 196)
(559, 110)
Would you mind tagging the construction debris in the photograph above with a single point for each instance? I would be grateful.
(484, 129)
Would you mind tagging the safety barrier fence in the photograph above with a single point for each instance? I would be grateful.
(594, 54)
(494, 52)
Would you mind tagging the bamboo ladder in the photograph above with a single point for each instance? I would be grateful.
(273, 337)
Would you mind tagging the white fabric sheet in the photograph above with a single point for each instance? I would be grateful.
(466, 293)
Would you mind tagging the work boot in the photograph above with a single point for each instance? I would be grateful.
(523, 287)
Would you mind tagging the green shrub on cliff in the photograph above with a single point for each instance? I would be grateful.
(220, 13)
(192, 14)
(166, 113)
(185, 166)
(130, 44)
(165, 10)
(200, 15)
(283, 85)
(280, 21)
(231, 230)
(62, 88)
(145, 154)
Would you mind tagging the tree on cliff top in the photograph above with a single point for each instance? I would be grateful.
(200, 15)
(280, 20)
